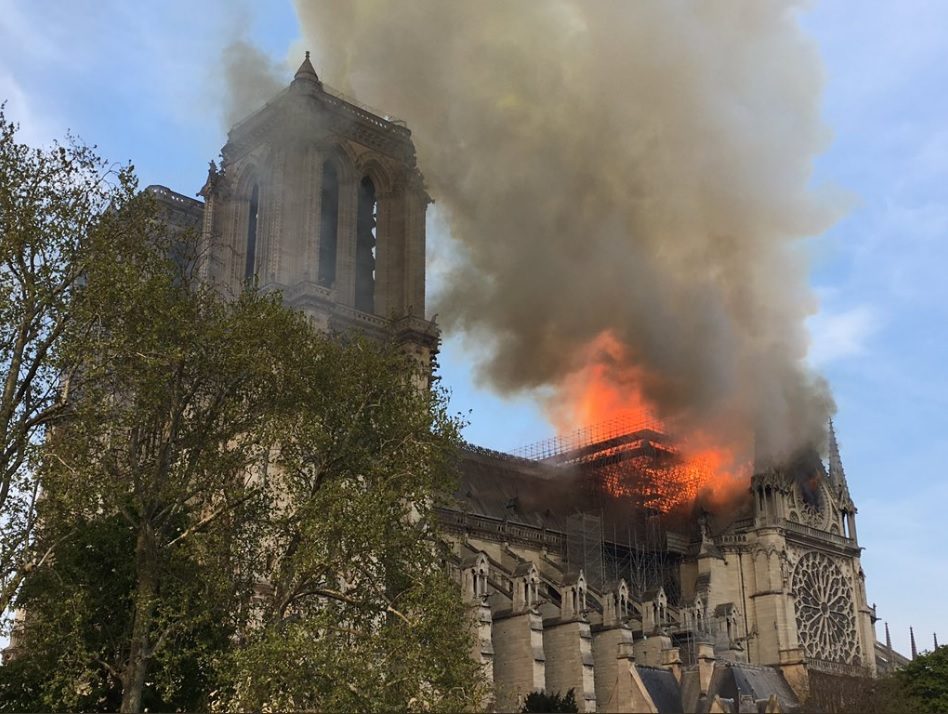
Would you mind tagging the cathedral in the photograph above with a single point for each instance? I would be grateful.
(320, 198)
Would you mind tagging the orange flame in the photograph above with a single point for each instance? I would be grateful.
(604, 399)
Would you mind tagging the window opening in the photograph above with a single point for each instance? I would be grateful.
(328, 226)
(251, 264)
(365, 247)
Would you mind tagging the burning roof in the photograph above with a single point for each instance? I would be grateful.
(634, 462)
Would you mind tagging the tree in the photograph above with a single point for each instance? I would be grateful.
(924, 682)
(359, 613)
(554, 702)
(52, 216)
(170, 413)
(72, 644)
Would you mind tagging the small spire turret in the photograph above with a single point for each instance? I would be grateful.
(912, 638)
(306, 71)
(888, 638)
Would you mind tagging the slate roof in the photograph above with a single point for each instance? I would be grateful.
(734, 680)
(516, 490)
(691, 691)
(662, 688)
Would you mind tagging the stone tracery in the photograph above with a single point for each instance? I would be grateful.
(825, 619)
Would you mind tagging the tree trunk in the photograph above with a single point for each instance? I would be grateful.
(146, 587)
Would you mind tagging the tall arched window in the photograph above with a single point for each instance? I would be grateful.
(365, 247)
(250, 267)
(328, 225)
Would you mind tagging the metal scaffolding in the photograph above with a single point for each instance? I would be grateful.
(634, 551)
(554, 448)
(584, 549)
(633, 461)
(635, 474)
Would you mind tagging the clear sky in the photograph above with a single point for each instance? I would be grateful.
(144, 82)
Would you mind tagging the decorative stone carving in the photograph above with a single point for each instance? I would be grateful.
(812, 509)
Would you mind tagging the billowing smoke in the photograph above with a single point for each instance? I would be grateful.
(252, 80)
(630, 173)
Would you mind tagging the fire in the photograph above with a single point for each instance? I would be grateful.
(603, 401)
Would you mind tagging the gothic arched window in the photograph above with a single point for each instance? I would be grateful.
(365, 247)
(328, 225)
(250, 266)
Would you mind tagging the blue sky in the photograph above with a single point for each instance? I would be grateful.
(145, 83)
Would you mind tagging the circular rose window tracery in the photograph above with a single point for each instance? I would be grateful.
(826, 622)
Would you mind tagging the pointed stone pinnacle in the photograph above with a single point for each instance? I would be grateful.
(836, 474)
(306, 70)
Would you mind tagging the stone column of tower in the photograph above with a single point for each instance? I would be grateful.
(321, 199)
(767, 601)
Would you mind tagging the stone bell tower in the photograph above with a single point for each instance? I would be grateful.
(809, 592)
(320, 198)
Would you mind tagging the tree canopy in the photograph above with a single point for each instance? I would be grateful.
(550, 702)
(924, 681)
(53, 217)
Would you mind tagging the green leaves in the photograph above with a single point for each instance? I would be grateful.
(553, 702)
(54, 211)
(358, 613)
(924, 682)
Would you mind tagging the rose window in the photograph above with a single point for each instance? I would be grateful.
(826, 619)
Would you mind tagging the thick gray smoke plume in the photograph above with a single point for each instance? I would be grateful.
(634, 168)
(252, 80)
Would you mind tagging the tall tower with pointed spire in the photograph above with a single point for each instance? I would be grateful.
(321, 198)
(808, 573)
